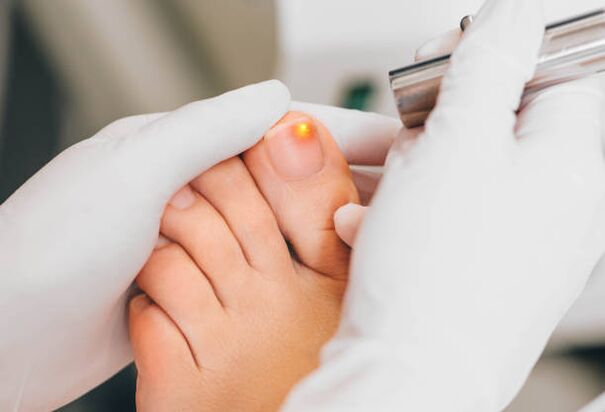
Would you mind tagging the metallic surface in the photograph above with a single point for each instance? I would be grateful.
(572, 49)
(466, 22)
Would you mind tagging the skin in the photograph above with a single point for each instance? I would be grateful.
(239, 302)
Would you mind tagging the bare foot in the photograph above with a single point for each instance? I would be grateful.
(233, 318)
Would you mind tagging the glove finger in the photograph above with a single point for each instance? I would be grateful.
(347, 221)
(128, 125)
(439, 46)
(482, 88)
(367, 178)
(366, 182)
(564, 119)
(593, 248)
(364, 138)
(171, 151)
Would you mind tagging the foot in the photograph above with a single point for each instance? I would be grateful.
(240, 300)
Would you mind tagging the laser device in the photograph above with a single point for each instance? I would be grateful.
(572, 49)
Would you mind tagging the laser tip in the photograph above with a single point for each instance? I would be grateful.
(303, 130)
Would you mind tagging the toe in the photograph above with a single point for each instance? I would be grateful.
(231, 190)
(177, 285)
(160, 350)
(203, 234)
(305, 178)
(164, 362)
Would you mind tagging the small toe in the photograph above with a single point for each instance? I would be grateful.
(164, 362)
(160, 350)
(176, 284)
(231, 190)
(205, 236)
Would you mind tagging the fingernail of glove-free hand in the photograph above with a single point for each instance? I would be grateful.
(294, 148)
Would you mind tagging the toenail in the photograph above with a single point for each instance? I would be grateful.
(140, 302)
(161, 242)
(294, 148)
(183, 199)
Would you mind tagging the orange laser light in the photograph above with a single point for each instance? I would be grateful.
(303, 130)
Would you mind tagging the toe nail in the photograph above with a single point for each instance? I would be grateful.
(183, 199)
(139, 302)
(161, 242)
(295, 149)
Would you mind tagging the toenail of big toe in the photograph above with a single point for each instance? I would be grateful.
(294, 148)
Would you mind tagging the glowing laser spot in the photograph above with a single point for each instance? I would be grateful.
(303, 130)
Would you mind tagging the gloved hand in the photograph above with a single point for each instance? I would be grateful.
(583, 325)
(482, 234)
(73, 238)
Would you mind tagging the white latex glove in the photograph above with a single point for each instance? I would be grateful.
(73, 238)
(479, 239)
(582, 326)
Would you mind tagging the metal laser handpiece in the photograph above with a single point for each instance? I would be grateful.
(572, 49)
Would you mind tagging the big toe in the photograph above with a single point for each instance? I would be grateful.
(305, 178)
